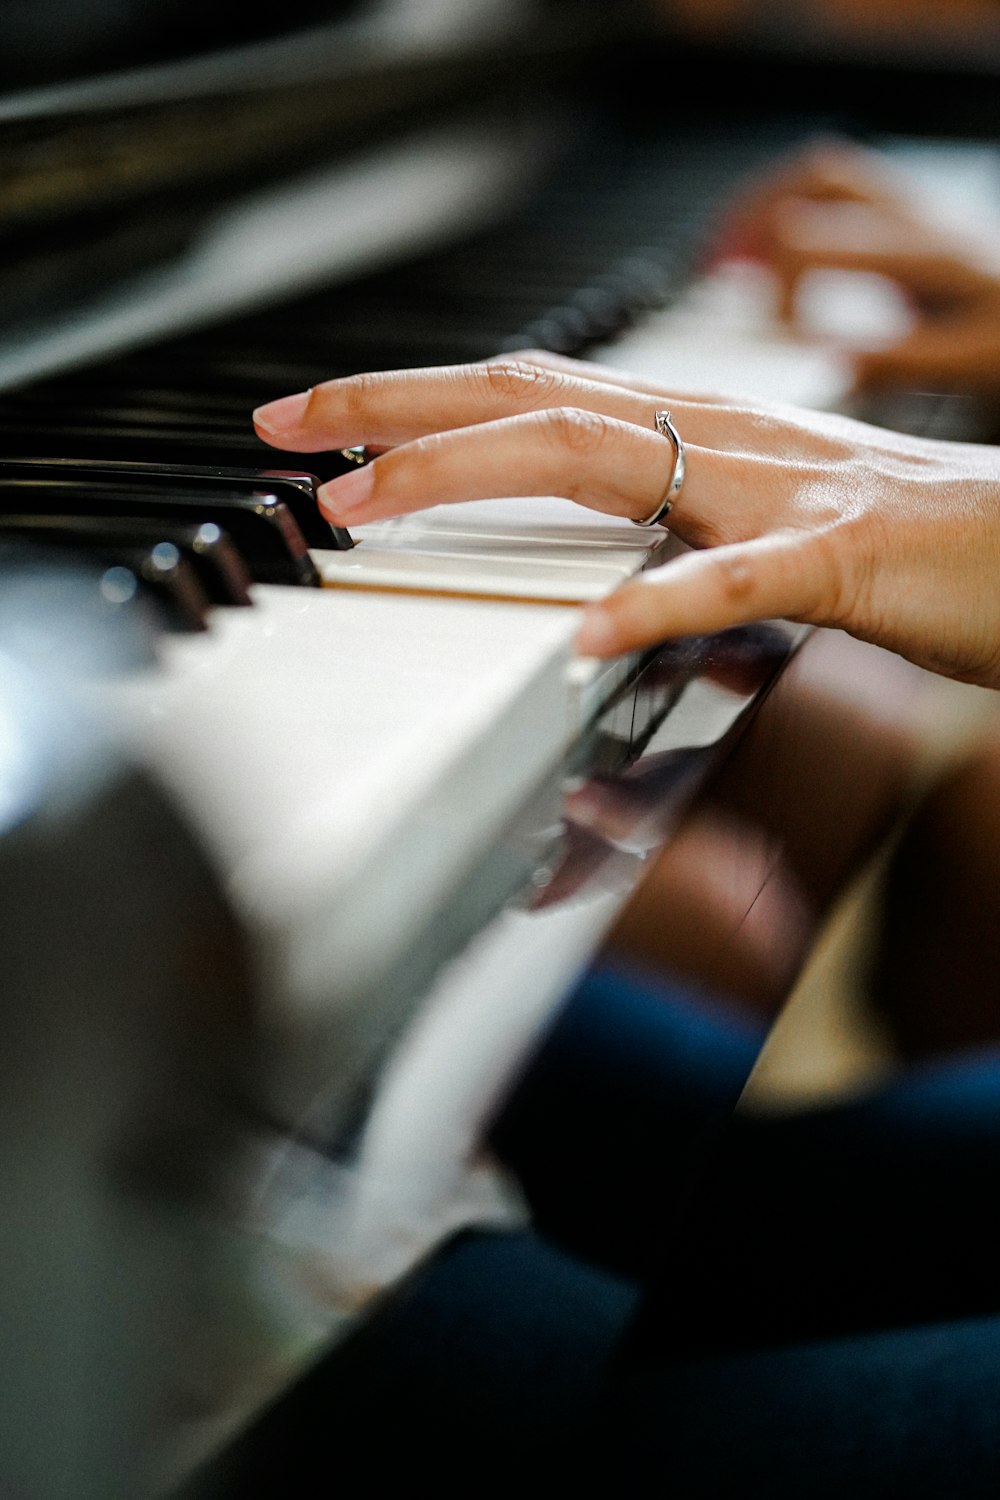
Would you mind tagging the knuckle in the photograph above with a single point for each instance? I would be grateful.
(515, 380)
(736, 576)
(580, 432)
(543, 357)
(360, 391)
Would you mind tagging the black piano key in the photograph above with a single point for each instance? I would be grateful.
(156, 578)
(170, 580)
(613, 232)
(86, 421)
(263, 528)
(211, 554)
(120, 625)
(294, 487)
(158, 446)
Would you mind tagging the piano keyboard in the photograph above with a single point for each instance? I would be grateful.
(164, 428)
(587, 257)
(321, 740)
(399, 719)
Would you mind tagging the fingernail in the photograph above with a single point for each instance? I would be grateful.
(596, 635)
(341, 497)
(279, 416)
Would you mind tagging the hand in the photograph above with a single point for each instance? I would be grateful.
(929, 22)
(839, 206)
(924, 21)
(795, 514)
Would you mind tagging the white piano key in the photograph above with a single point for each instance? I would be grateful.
(721, 338)
(346, 754)
(532, 547)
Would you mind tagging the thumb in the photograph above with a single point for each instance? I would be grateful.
(788, 575)
(934, 354)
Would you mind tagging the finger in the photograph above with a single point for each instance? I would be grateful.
(836, 169)
(597, 461)
(791, 575)
(385, 408)
(831, 171)
(800, 238)
(603, 465)
(937, 356)
(852, 238)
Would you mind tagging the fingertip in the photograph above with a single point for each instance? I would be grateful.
(597, 634)
(341, 499)
(277, 418)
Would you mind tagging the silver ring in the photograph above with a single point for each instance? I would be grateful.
(666, 429)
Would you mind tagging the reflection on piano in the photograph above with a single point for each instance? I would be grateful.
(365, 779)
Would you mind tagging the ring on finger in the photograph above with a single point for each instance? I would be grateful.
(666, 428)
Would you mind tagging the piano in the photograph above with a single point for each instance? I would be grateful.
(293, 886)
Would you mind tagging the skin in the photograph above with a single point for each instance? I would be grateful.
(839, 206)
(788, 513)
(858, 20)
